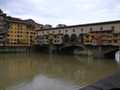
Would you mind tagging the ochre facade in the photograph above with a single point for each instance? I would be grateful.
(21, 33)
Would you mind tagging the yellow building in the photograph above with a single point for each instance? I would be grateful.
(21, 33)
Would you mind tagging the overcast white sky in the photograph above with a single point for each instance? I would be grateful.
(63, 11)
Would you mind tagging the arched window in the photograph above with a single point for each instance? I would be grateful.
(74, 38)
(66, 38)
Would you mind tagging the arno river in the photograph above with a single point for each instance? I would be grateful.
(51, 72)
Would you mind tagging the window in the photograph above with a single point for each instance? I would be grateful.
(112, 27)
(87, 36)
(59, 31)
(92, 36)
(115, 35)
(82, 29)
(55, 36)
(30, 36)
(17, 35)
(87, 41)
(73, 30)
(66, 30)
(91, 29)
(109, 41)
(115, 41)
(101, 28)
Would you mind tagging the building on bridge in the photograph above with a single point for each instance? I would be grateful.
(101, 33)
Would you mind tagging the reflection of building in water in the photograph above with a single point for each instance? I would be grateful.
(16, 71)
(20, 68)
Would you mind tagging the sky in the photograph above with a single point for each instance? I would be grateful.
(69, 12)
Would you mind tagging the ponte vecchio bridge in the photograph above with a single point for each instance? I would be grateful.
(101, 38)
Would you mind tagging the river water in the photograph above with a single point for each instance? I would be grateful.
(51, 72)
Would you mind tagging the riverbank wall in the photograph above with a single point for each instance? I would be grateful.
(19, 49)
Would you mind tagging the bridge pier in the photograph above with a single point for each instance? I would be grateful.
(96, 51)
(104, 51)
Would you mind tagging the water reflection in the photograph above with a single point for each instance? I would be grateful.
(15, 69)
(42, 71)
(44, 83)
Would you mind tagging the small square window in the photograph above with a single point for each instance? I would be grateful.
(91, 29)
(82, 29)
(73, 30)
(59, 31)
(112, 27)
(101, 28)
